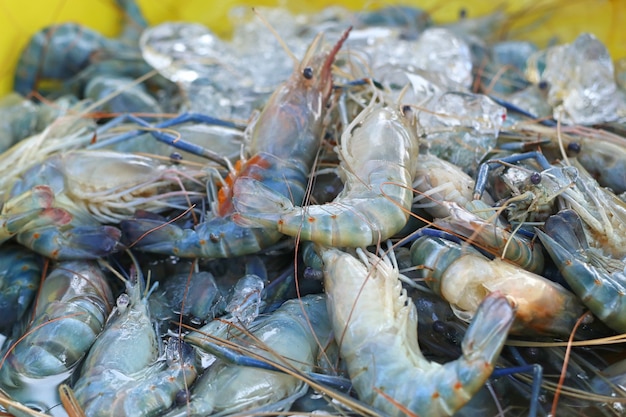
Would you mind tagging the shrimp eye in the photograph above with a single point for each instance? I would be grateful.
(307, 73)
(574, 147)
(182, 397)
(543, 85)
(535, 178)
(176, 157)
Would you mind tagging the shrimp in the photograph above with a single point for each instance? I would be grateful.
(464, 277)
(601, 153)
(96, 187)
(71, 54)
(124, 373)
(599, 281)
(378, 153)
(376, 328)
(283, 143)
(72, 307)
(231, 388)
(602, 212)
(491, 236)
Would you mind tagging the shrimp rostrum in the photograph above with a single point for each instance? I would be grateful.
(378, 152)
(376, 327)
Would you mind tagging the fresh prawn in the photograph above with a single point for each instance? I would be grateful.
(464, 277)
(378, 152)
(125, 373)
(70, 54)
(598, 280)
(230, 388)
(283, 142)
(375, 325)
(72, 307)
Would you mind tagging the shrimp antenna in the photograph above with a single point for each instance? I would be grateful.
(280, 40)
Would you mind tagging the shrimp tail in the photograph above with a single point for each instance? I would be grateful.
(488, 331)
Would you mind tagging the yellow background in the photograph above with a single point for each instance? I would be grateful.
(561, 20)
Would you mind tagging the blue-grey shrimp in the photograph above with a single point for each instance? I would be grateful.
(602, 212)
(376, 329)
(72, 307)
(464, 277)
(378, 151)
(601, 153)
(230, 388)
(283, 143)
(124, 373)
(96, 188)
(20, 273)
(22, 118)
(69, 54)
(598, 280)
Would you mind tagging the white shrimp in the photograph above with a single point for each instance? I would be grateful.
(376, 325)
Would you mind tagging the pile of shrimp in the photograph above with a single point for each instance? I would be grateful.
(378, 215)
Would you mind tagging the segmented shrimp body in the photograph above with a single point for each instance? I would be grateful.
(375, 324)
(283, 143)
(378, 154)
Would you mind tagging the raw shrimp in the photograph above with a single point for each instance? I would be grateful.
(96, 187)
(30, 210)
(70, 54)
(598, 280)
(231, 388)
(283, 143)
(72, 307)
(375, 325)
(124, 373)
(379, 153)
(464, 277)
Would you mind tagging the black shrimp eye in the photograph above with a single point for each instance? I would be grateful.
(543, 85)
(535, 178)
(182, 397)
(307, 73)
(574, 147)
(176, 157)
(439, 326)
